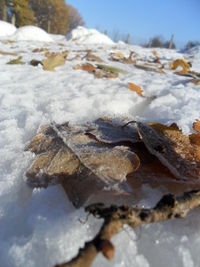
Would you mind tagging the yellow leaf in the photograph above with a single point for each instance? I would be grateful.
(180, 63)
(53, 61)
(135, 88)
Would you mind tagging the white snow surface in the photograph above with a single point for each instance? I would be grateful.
(83, 35)
(6, 28)
(31, 33)
(40, 227)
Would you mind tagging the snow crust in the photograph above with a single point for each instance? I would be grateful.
(83, 35)
(6, 28)
(32, 33)
(40, 227)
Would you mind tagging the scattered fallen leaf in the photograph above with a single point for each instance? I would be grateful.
(173, 149)
(16, 61)
(135, 88)
(53, 61)
(196, 125)
(90, 57)
(101, 71)
(35, 62)
(83, 165)
(151, 67)
(4, 53)
(39, 50)
(86, 67)
(109, 68)
(119, 57)
(180, 63)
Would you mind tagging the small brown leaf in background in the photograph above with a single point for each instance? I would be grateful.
(53, 61)
(16, 61)
(135, 88)
(4, 53)
(90, 57)
(86, 67)
(180, 63)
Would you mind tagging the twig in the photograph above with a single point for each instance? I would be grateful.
(115, 217)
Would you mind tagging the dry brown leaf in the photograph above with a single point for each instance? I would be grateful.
(90, 57)
(4, 53)
(53, 61)
(180, 63)
(196, 125)
(195, 139)
(86, 67)
(82, 164)
(135, 88)
(39, 50)
(119, 57)
(174, 149)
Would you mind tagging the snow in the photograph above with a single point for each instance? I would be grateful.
(40, 227)
(88, 36)
(6, 29)
(31, 33)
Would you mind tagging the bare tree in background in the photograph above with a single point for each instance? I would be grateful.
(74, 17)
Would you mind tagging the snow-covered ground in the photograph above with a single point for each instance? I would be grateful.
(40, 227)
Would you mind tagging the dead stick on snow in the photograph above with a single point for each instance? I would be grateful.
(115, 217)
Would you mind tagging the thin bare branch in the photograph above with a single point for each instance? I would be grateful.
(168, 207)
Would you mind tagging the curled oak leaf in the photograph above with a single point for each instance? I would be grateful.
(68, 155)
(173, 149)
(180, 63)
(135, 88)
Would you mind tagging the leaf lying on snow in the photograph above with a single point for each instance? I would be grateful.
(110, 69)
(90, 57)
(16, 61)
(173, 148)
(135, 88)
(4, 53)
(180, 63)
(86, 67)
(119, 57)
(83, 165)
(53, 61)
(100, 71)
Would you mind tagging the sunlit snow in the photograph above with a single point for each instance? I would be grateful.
(40, 227)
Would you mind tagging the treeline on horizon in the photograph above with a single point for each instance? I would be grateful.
(54, 16)
(154, 42)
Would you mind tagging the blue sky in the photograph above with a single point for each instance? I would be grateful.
(143, 19)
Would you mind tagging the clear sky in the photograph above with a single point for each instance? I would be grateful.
(143, 19)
